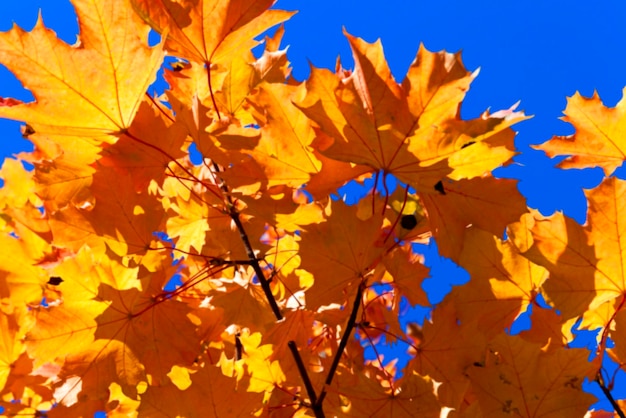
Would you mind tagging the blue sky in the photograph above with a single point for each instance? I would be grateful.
(536, 52)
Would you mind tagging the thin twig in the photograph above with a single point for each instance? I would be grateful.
(388, 376)
(267, 290)
(609, 396)
(317, 408)
(254, 262)
(406, 195)
(344, 341)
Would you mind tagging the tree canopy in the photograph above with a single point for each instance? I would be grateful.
(185, 254)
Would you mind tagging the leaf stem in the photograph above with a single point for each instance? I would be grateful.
(406, 195)
(208, 71)
(172, 159)
(607, 327)
(386, 189)
(374, 192)
(600, 381)
(344, 341)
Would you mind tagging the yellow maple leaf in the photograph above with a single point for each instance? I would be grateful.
(70, 100)
(599, 138)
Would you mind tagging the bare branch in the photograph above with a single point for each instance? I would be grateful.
(344, 341)
(609, 396)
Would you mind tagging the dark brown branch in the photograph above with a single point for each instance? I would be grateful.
(317, 408)
(265, 285)
(267, 290)
(254, 262)
(343, 343)
(609, 396)
(238, 347)
(264, 281)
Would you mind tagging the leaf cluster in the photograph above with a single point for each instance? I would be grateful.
(183, 255)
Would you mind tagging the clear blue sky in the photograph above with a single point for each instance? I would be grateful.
(537, 52)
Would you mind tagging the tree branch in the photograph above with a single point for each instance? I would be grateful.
(344, 341)
(267, 290)
(609, 396)
(317, 408)
(254, 262)
(252, 259)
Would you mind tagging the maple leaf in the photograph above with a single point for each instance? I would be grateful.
(210, 31)
(145, 152)
(444, 350)
(407, 270)
(12, 346)
(411, 130)
(585, 263)
(126, 220)
(598, 141)
(296, 327)
(210, 392)
(113, 42)
(618, 352)
(482, 202)
(548, 329)
(412, 396)
(243, 74)
(518, 378)
(21, 279)
(90, 373)
(249, 310)
(63, 170)
(161, 334)
(503, 283)
(16, 178)
(124, 324)
(339, 253)
(290, 161)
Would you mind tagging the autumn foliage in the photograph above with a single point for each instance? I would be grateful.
(182, 255)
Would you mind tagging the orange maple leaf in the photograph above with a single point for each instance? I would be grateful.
(599, 137)
(519, 378)
(503, 283)
(210, 392)
(585, 263)
(411, 130)
(482, 202)
(339, 253)
(210, 31)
